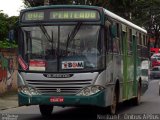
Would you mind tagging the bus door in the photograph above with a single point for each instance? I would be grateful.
(124, 54)
(135, 62)
(109, 55)
(131, 62)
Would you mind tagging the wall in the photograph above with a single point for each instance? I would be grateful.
(8, 70)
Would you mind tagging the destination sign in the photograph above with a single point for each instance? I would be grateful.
(89, 14)
(34, 16)
(60, 14)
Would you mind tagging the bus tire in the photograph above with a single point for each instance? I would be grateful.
(46, 110)
(137, 100)
(159, 90)
(114, 104)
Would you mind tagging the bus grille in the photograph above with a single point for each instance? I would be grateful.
(59, 87)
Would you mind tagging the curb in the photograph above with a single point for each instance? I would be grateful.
(8, 101)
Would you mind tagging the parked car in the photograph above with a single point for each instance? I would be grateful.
(155, 62)
(155, 55)
(155, 59)
(155, 72)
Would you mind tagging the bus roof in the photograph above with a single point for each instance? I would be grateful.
(114, 16)
(107, 12)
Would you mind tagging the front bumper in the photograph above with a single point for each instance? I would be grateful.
(93, 100)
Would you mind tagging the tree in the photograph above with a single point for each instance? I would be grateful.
(3, 26)
(55, 2)
(146, 14)
(6, 23)
(34, 3)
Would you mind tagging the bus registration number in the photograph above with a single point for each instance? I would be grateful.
(56, 99)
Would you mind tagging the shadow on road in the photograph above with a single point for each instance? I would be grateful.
(69, 114)
(83, 113)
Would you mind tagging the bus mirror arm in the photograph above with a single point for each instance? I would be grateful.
(11, 35)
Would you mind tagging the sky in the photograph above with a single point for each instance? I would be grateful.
(11, 7)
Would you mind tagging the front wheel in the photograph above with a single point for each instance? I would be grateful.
(46, 110)
(114, 104)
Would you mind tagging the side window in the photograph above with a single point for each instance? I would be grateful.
(144, 40)
(28, 44)
(130, 43)
(123, 39)
(115, 37)
(109, 42)
(144, 47)
(139, 44)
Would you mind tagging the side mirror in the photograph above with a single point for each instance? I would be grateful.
(11, 35)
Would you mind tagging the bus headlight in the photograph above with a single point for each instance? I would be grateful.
(28, 90)
(90, 90)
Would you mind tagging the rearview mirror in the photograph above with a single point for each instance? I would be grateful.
(11, 36)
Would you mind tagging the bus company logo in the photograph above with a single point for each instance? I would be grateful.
(58, 90)
(58, 75)
(72, 64)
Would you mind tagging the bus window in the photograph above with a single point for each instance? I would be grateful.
(130, 43)
(115, 37)
(110, 41)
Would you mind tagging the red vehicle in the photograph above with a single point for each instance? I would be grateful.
(154, 50)
(155, 59)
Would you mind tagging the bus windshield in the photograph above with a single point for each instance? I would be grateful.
(63, 48)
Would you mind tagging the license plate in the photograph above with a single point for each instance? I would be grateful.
(56, 99)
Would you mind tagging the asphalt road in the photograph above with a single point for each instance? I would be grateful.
(149, 109)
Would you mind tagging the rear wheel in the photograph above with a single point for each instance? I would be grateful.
(159, 89)
(46, 110)
(137, 100)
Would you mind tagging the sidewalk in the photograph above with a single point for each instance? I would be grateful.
(8, 100)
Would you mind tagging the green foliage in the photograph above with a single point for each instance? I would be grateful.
(6, 23)
(7, 44)
(3, 25)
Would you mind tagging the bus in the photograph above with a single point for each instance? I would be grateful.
(54, 70)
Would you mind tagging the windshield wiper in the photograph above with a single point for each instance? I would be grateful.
(50, 39)
(73, 34)
(45, 33)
